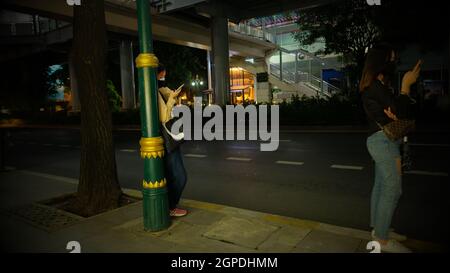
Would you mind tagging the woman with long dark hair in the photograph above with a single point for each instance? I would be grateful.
(382, 107)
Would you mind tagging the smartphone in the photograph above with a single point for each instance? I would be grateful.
(179, 88)
(420, 62)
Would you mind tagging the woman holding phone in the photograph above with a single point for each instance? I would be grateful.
(382, 107)
(173, 160)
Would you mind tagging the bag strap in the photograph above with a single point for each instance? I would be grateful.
(177, 137)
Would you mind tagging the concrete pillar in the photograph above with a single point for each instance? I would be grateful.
(263, 92)
(267, 63)
(74, 95)
(127, 75)
(220, 59)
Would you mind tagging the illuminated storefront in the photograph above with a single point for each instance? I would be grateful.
(242, 89)
(242, 84)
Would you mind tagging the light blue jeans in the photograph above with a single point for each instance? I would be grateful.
(388, 182)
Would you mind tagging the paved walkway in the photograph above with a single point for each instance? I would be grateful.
(28, 226)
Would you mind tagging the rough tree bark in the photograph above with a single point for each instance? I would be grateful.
(98, 188)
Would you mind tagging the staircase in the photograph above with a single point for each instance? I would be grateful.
(294, 81)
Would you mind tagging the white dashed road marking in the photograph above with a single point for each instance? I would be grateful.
(239, 159)
(346, 167)
(429, 145)
(128, 150)
(295, 163)
(427, 173)
(195, 155)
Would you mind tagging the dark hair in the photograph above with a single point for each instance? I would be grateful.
(377, 62)
(161, 68)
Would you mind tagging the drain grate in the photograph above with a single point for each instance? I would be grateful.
(45, 217)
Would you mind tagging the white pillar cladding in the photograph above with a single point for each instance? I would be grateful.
(74, 96)
(263, 92)
(255, 88)
(127, 75)
(209, 68)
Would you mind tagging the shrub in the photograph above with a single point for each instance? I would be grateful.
(336, 110)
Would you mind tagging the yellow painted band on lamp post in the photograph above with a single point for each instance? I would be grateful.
(154, 185)
(147, 60)
(152, 147)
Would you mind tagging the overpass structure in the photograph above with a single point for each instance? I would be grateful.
(202, 24)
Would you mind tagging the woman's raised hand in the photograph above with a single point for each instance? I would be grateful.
(410, 78)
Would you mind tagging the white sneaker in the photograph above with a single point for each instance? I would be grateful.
(393, 246)
(392, 235)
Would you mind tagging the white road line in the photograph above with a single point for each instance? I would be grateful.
(244, 159)
(296, 163)
(195, 155)
(429, 145)
(128, 150)
(427, 173)
(64, 146)
(347, 167)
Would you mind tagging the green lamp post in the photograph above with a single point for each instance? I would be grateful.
(155, 202)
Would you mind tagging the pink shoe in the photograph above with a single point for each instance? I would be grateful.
(177, 212)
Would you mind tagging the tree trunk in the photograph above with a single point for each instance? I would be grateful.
(98, 189)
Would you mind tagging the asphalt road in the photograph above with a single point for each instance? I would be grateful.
(325, 177)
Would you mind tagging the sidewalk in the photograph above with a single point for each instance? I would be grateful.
(31, 227)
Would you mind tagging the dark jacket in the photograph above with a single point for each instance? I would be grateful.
(378, 97)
